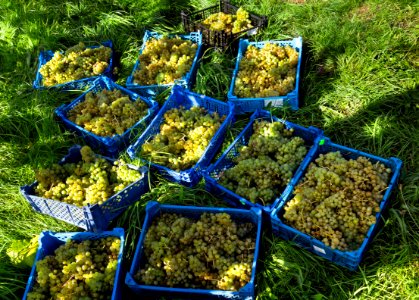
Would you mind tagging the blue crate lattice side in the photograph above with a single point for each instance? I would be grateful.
(94, 217)
(348, 259)
(187, 99)
(212, 173)
(111, 145)
(49, 241)
(81, 84)
(245, 105)
(186, 81)
(154, 209)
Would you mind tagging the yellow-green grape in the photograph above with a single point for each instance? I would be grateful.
(78, 270)
(266, 72)
(107, 113)
(229, 23)
(165, 60)
(184, 136)
(76, 63)
(212, 252)
(337, 200)
(266, 165)
(90, 181)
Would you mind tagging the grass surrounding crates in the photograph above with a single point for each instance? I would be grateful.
(359, 85)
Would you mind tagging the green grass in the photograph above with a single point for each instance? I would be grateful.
(359, 85)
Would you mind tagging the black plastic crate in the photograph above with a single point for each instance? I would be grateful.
(193, 22)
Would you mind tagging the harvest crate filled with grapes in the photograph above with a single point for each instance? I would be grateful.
(184, 136)
(267, 74)
(257, 169)
(223, 23)
(165, 60)
(108, 116)
(337, 201)
(86, 189)
(77, 265)
(197, 252)
(74, 69)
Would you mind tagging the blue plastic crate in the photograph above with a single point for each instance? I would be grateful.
(244, 105)
(187, 99)
(348, 259)
(186, 81)
(154, 209)
(94, 217)
(113, 144)
(49, 241)
(80, 84)
(212, 173)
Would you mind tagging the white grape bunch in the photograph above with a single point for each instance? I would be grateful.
(337, 200)
(90, 181)
(164, 60)
(213, 252)
(107, 112)
(183, 138)
(266, 72)
(78, 270)
(76, 63)
(266, 164)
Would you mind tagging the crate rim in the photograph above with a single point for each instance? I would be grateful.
(38, 82)
(129, 278)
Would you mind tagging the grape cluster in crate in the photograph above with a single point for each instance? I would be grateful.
(324, 197)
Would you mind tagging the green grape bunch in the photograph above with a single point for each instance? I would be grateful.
(212, 252)
(78, 270)
(92, 180)
(183, 138)
(337, 200)
(266, 72)
(76, 63)
(266, 164)
(229, 23)
(165, 60)
(107, 112)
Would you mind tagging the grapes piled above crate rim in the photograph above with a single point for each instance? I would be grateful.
(108, 112)
(213, 252)
(164, 60)
(90, 181)
(337, 200)
(184, 136)
(75, 63)
(259, 166)
(266, 72)
(208, 252)
(266, 164)
(336, 203)
(78, 269)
